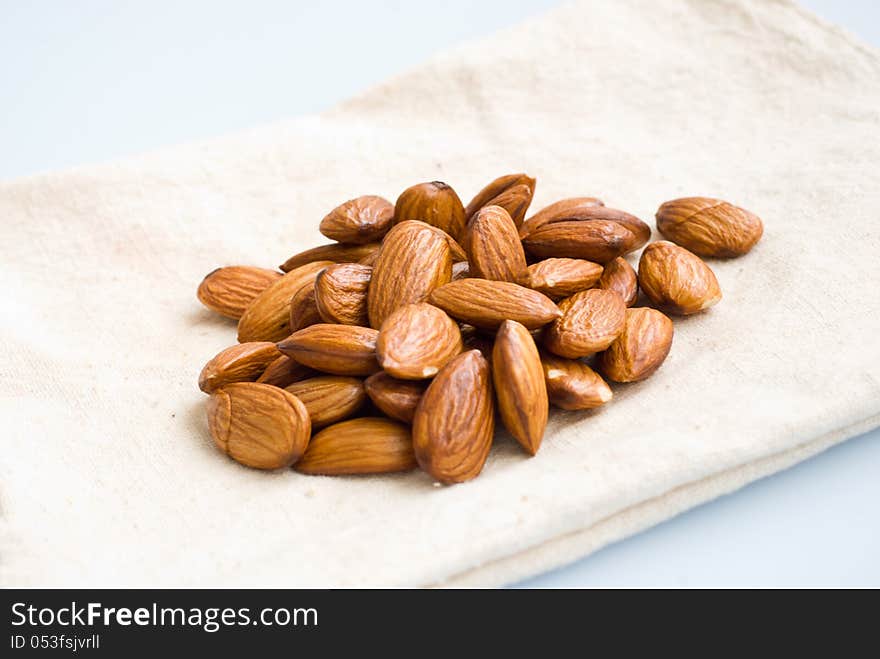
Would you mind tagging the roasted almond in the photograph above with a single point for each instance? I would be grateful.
(243, 362)
(284, 371)
(228, 291)
(303, 308)
(334, 252)
(329, 398)
(572, 385)
(709, 227)
(594, 240)
(434, 203)
(359, 446)
(486, 304)
(455, 420)
(676, 280)
(414, 260)
(396, 398)
(559, 278)
(335, 349)
(493, 246)
(361, 220)
(640, 348)
(564, 209)
(416, 341)
(519, 385)
(619, 276)
(513, 192)
(341, 293)
(268, 316)
(590, 321)
(258, 425)
(579, 210)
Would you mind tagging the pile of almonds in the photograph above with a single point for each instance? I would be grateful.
(398, 344)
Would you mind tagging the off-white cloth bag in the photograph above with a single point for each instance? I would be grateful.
(109, 476)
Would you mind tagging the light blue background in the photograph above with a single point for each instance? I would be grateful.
(86, 81)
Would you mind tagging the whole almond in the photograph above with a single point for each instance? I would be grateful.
(243, 362)
(303, 307)
(341, 293)
(414, 260)
(335, 349)
(513, 192)
(590, 321)
(676, 280)
(493, 246)
(268, 316)
(455, 420)
(564, 209)
(594, 240)
(228, 291)
(434, 203)
(572, 385)
(486, 304)
(519, 385)
(361, 220)
(578, 210)
(559, 278)
(416, 341)
(709, 227)
(619, 276)
(258, 425)
(359, 446)
(284, 371)
(329, 398)
(396, 398)
(334, 253)
(640, 348)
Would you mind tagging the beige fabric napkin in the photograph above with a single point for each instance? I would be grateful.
(108, 474)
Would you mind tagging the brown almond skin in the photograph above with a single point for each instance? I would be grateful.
(359, 221)
(284, 371)
(329, 398)
(334, 253)
(434, 203)
(676, 280)
(259, 425)
(640, 349)
(416, 341)
(486, 304)
(709, 227)
(620, 277)
(228, 291)
(455, 420)
(585, 212)
(334, 349)
(513, 192)
(303, 308)
(396, 398)
(562, 277)
(572, 385)
(570, 209)
(519, 385)
(243, 362)
(415, 259)
(366, 445)
(590, 321)
(594, 240)
(268, 316)
(493, 246)
(341, 293)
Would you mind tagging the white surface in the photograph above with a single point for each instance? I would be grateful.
(88, 81)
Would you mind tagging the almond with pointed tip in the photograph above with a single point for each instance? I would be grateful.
(365, 219)
(284, 371)
(572, 385)
(677, 280)
(572, 208)
(230, 290)
(341, 293)
(486, 304)
(561, 277)
(620, 277)
(595, 240)
(416, 341)
(334, 349)
(329, 398)
(493, 246)
(243, 362)
(368, 445)
(578, 210)
(396, 398)
(334, 253)
(590, 321)
(640, 349)
(434, 203)
(513, 192)
(709, 227)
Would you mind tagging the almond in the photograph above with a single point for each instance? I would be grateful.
(228, 291)
(268, 316)
(303, 308)
(579, 210)
(341, 293)
(709, 227)
(413, 262)
(334, 252)
(284, 371)
(640, 348)
(243, 362)
(512, 192)
(258, 425)
(676, 280)
(416, 341)
(595, 240)
(335, 349)
(329, 398)
(455, 420)
(486, 304)
(396, 398)
(572, 385)
(564, 209)
(362, 220)
(590, 321)
(559, 278)
(359, 446)
(493, 246)
(435, 203)
(619, 276)
(519, 385)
